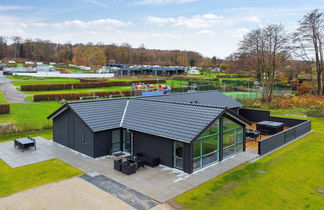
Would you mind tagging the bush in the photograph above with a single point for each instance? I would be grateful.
(4, 108)
(83, 85)
(304, 89)
(77, 96)
(187, 78)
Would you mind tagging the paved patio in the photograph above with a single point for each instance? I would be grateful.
(160, 183)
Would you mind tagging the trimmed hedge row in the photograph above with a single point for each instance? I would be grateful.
(83, 85)
(4, 108)
(76, 96)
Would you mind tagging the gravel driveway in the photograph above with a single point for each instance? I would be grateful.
(11, 93)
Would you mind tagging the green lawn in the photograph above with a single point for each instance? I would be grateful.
(30, 116)
(293, 175)
(242, 95)
(24, 80)
(2, 98)
(47, 134)
(14, 180)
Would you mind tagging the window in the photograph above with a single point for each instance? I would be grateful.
(232, 138)
(205, 148)
(115, 141)
(83, 139)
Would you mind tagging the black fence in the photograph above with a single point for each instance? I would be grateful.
(296, 129)
(300, 128)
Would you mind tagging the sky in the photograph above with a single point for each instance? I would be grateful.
(210, 27)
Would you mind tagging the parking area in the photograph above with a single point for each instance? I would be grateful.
(160, 183)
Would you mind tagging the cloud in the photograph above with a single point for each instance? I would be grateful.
(164, 36)
(197, 21)
(99, 24)
(206, 32)
(162, 2)
(11, 7)
(254, 19)
(96, 2)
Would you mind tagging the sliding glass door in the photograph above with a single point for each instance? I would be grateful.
(178, 155)
(127, 141)
(115, 141)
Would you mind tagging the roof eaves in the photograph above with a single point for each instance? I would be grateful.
(57, 112)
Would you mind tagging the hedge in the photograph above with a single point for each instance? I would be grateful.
(77, 96)
(83, 85)
(4, 108)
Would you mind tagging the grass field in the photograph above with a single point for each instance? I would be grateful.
(23, 80)
(240, 95)
(30, 116)
(14, 180)
(47, 134)
(293, 175)
(2, 98)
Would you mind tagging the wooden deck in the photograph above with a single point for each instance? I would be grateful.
(252, 146)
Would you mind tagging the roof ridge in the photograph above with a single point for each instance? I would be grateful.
(181, 103)
(97, 100)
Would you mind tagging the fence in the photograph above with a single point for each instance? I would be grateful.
(283, 137)
(4, 108)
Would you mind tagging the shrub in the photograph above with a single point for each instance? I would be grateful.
(77, 96)
(83, 85)
(4, 108)
(304, 89)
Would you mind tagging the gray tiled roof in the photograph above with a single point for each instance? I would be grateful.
(213, 98)
(100, 114)
(171, 116)
(177, 121)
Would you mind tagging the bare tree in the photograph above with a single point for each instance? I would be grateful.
(266, 50)
(309, 39)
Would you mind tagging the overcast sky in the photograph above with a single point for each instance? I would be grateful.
(211, 27)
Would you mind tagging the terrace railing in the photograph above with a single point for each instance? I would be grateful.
(268, 144)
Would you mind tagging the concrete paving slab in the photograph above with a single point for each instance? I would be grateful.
(160, 183)
(129, 196)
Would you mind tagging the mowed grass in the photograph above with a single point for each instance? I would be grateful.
(14, 180)
(293, 176)
(30, 116)
(24, 80)
(3, 99)
(47, 134)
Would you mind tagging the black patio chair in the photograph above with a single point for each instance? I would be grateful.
(117, 164)
(128, 168)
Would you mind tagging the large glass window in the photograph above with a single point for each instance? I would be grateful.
(115, 141)
(205, 148)
(232, 138)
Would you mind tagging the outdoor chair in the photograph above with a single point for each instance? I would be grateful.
(117, 164)
(128, 168)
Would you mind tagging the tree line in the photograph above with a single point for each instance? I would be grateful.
(95, 55)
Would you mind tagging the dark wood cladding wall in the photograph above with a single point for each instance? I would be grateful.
(102, 143)
(281, 138)
(254, 115)
(154, 146)
(70, 131)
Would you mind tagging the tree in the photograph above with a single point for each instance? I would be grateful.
(266, 49)
(95, 57)
(308, 40)
(192, 62)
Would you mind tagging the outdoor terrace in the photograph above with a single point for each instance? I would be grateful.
(251, 145)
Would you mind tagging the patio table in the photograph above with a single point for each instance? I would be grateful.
(24, 143)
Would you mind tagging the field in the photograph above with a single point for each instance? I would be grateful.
(290, 179)
(47, 134)
(2, 98)
(13, 180)
(30, 116)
